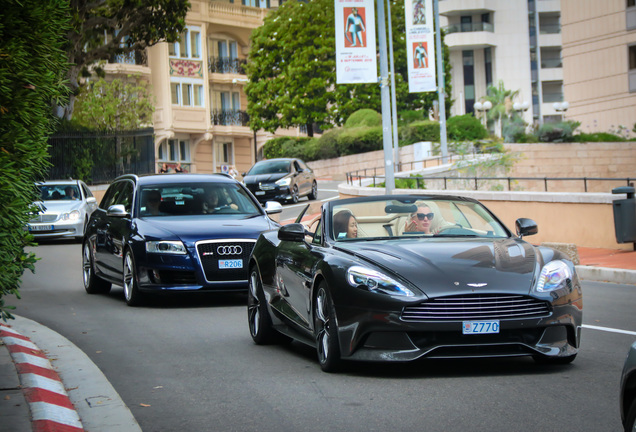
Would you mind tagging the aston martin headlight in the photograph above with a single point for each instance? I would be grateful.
(554, 275)
(73, 215)
(165, 246)
(286, 181)
(376, 282)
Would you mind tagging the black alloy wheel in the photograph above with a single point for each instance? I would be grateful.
(93, 284)
(314, 191)
(258, 318)
(131, 285)
(294, 194)
(326, 331)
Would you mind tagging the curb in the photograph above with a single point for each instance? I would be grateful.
(605, 274)
(51, 409)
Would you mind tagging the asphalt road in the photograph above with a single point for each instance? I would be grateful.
(189, 364)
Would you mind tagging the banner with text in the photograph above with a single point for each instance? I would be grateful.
(356, 57)
(420, 45)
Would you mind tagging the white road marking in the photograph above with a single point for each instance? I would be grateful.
(611, 330)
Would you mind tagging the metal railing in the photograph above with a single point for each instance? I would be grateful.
(475, 181)
(137, 57)
(226, 65)
(230, 118)
(472, 27)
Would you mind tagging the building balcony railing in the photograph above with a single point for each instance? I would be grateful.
(549, 29)
(230, 118)
(551, 63)
(132, 58)
(226, 65)
(472, 27)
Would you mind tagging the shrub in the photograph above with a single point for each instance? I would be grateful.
(597, 137)
(31, 78)
(273, 148)
(406, 117)
(465, 128)
(296, 147)
(359, 140)
(327, 144)
(364, 117)
(426, 130)
(514, 130)
(557, 132)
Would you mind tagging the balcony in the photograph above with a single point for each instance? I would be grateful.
(466, 7)
(226, 65)
(231, 13)
(470, 36)
(230, 118)
(472, 27)
(135, 62)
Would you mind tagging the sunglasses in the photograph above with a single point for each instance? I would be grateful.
(421, 216)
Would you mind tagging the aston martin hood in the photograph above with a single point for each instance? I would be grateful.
(441, 267)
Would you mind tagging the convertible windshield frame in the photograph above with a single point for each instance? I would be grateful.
(407, 217)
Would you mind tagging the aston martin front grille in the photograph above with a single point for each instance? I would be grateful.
(477, 307)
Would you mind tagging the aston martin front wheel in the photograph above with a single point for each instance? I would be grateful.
(326, 331)
(260, 323)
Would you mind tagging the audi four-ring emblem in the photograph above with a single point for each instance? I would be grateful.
(229, 250)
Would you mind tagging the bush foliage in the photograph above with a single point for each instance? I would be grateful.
(31, 77)
(465, 128)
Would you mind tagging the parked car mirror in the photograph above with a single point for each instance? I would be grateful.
(117, 210)
(273, 207)
(292, 232)
(91, 200)
(526, 227)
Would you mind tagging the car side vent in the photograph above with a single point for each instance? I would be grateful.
(477, 307)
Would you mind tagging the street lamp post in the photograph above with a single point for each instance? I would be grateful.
(482, 108)
(561, 107)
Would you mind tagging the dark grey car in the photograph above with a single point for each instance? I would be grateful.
(284, 179)
(628, 391)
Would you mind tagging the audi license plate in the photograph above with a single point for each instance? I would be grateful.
(480, 327)
(231, 264)
(41, 227)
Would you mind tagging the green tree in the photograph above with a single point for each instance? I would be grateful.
(32, 69)
(501, 100)
(103, 28)
(114, 105)
(292, 71)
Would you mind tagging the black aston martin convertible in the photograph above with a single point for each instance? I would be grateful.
(397, 278)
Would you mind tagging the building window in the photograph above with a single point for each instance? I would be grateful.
(488, 65)
(631, 3)
(188, 46)
(469, 80)
(187, 94)
(174, 150)
(632, 68)
(224, 153)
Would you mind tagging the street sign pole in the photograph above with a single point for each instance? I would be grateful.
(440, 84)
(389, 179)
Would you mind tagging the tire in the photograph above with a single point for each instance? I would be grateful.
(93, 284)
(294, 195)
(314, 192)
(131, 285)
(326, 331)
(630, 418)
(260, 323)
(541, 359)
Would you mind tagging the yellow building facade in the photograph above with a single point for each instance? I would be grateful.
(200, 118)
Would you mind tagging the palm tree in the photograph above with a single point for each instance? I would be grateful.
(501, 100)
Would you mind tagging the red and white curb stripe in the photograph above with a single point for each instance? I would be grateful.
(51, 408)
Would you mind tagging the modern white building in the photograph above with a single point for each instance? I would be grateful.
(514, 41)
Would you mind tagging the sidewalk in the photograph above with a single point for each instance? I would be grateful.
(74, 395)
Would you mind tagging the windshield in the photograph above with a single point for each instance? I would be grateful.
(270, 167)
(424, 218)
(59, 192)
(195, 199)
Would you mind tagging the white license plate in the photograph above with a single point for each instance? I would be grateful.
(260, 192)
(230, 264)
(480, 327)
(41, 227)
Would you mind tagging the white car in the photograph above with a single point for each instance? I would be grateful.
(66, 206)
